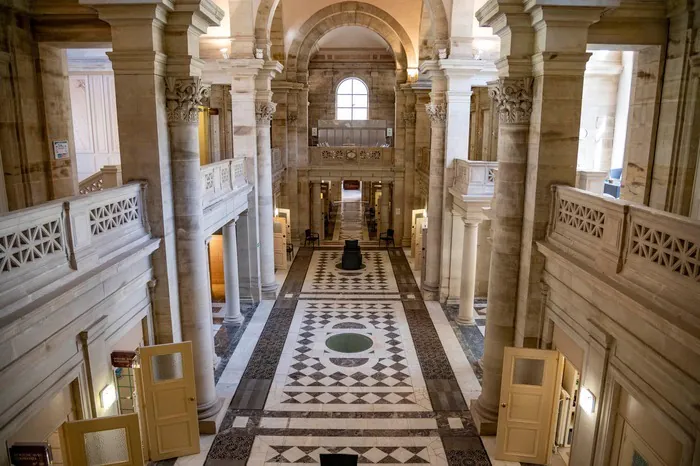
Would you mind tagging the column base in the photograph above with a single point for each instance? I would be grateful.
(269, 291)
(485, 424)
(235, 320)
(210, 418)
(453, 300)
(465, 322)
(430, 293)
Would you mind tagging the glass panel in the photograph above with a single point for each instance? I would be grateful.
(166, 367)
(344, 114)
(359, 87)
(359, 100)
(638, 460)
(345, 87)
(106, 447)
(528, 371)
(344, 101)
(349, 342)
(359, 114)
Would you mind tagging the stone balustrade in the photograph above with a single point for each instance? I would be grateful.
(423, 161)
(352, 156)
(474, 178)
(277, 162)
(110, 176)
(650, 251)
(222, 178)
(45, 247)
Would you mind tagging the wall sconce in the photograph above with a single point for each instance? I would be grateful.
(277, 212)
(224, 53)
(258, 53)
(108, 396)
(412, 74)
(587, 401)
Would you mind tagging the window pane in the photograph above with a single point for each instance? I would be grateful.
(638, 459)
(359, 101)
(106, 447)
(359, 114)
(358, 87)
(344, 114)
(344, 101)
(528, 371)
(345, 87)
(166, 367)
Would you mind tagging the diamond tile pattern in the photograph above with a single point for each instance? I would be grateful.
(373, 455)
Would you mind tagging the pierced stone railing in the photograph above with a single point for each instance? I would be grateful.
(277, 162)
(222, 178)
(423, 160)
(110, 176)
(651, 250)
(42, 247)
(474, 178)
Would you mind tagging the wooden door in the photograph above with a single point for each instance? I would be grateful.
(280, 235)
(112, 440)
(526, 416)
(169, 400)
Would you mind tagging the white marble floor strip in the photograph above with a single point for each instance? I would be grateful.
(347, 424)
(468, 383)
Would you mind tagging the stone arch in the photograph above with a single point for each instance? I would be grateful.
(350, 14)
(266, 10)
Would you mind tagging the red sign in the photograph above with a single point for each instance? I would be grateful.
(123, 358)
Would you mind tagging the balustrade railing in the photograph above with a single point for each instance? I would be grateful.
(109, 176)
(423, 162)
(651, 249)
(474, 178)
(277, 162)
(41, 246)
(222, 178)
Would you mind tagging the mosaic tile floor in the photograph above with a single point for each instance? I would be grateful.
(394, 392)
(349, 221)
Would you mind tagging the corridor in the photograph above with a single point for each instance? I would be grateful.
(349, 362)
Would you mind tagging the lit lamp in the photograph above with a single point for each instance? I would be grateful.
(587, 401)
(412, 74)
(108, 396)
(277, 212)
(224, 53)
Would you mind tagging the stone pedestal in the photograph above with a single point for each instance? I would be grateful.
(184, 96)
(231, 283)
(469, 254)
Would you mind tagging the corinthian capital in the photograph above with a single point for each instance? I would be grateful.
(409, 119)
(264, 111)
(513, 98)
(437, 113)
(183, 96)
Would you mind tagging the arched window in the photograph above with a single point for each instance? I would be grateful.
(351, 100)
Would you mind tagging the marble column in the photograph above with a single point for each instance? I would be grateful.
(469, 254)
(263, 114)
(385, 206)
(316, 206)
(231, 282)
(183, 97)
(456, 251)
(513, 98)
(437, 111)
(246, 243)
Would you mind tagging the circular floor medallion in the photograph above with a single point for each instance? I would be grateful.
(349, 342)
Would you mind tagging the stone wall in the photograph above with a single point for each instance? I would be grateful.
(325, 75)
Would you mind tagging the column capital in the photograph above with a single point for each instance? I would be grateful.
(559, 64)
(437, 112)
(264, 110)
(183, 96)
(513, 98)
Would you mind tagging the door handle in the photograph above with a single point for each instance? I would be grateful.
(503, 405)
(191, 398)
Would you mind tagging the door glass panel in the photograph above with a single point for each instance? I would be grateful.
(528, 371)
(106, 447)
(166, 367)
(638, 460)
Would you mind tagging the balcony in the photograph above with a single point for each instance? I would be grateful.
(225, 189)
(474, 180)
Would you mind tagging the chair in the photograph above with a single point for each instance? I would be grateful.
(352, 255)
(311, 237)
(388, 236)
(290, 251)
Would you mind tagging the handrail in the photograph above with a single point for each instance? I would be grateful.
(474, 178)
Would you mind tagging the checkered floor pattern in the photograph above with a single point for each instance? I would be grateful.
(328, 277)
(372, 455)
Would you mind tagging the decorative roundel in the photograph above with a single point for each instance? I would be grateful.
(351, 155)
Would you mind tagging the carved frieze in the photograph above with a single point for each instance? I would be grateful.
(513, 98)
(437, 113)
(183, 97)
(264, 111)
